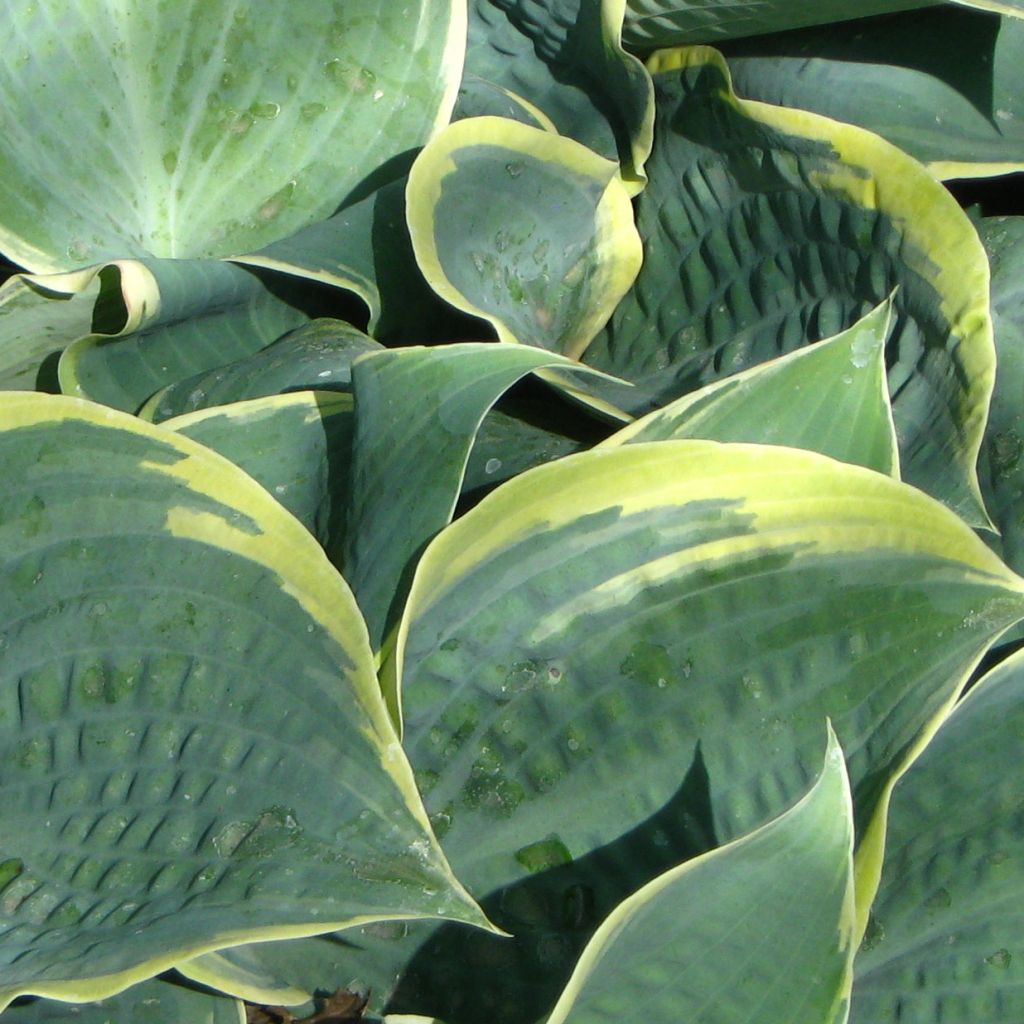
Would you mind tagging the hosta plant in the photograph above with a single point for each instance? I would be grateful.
(504, 503)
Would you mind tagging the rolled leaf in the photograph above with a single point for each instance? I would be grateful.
(154, 322)
(407, 467)
(197, 754)
(238, 972)
(36, 325)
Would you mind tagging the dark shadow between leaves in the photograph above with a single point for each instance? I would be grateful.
(465, 976)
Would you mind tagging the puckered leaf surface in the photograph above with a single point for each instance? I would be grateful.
(196, 751)
(765, 229)
(944, 940)
(830, 398)
(625, 658)
(211, 127)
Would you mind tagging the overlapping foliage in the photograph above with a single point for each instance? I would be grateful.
(504, 500)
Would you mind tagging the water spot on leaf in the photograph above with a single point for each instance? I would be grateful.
(311, 111)
(514, 169)
(752, 686)
(336, 70)
(649, 664)
(241, 123)
(265, 111)
(277, 202)
(549, 852)
(441, 821)
(1000, 958)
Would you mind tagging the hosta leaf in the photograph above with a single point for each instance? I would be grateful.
(480, 98)
(654, 23)
(318, 354)
(527, 229)
(564, 57)
(1003, 483)
(625, 658)
(507, 445)
(212, 127)
(297, 446)
(1010, 8)
(365, 247)
(36, 325)
(152, 323)
(830, 398)
(765, 229)
(238, 972)
(196, 750)
(944, 942)
(758, 930)
(943, 84)
(155, 1002)
(407, 468)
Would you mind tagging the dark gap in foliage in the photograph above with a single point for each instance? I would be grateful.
(7, 269)
(313, 298)
(530, 425)
(993, 657)
(996, 197)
